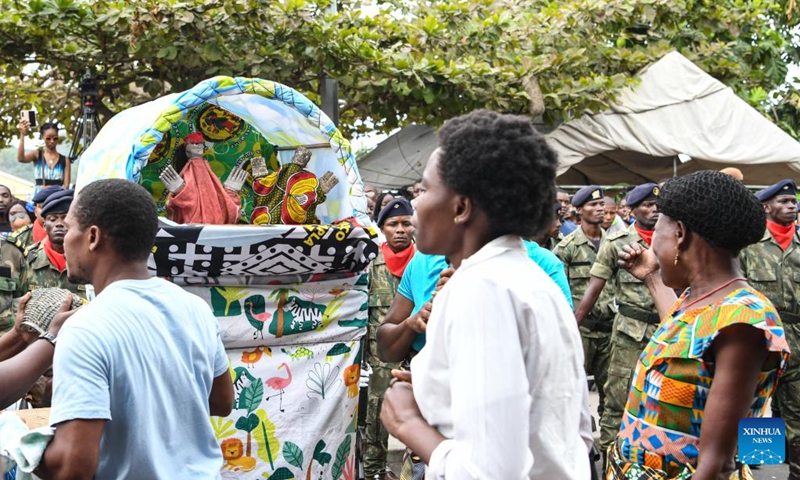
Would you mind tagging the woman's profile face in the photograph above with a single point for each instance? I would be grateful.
(433, 218)
(665, 246)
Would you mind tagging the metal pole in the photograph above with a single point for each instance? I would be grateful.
(328, 87)
(674, 167)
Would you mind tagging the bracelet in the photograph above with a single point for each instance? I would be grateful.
(49, 337)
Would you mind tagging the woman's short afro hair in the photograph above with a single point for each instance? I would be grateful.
(715, 206)
(504, 166)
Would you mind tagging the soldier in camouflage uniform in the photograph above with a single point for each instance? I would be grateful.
(578, 251)
(41, 272)
(636, 319)
(24, 238)
(12, 263)
(772, 266)
(384, 279)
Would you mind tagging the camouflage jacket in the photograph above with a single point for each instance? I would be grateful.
(551, 243)
(22, 238)
(578, 254)
(628, 290)
(12, 264)
(774, 272)
(40, 273)
(382, 289)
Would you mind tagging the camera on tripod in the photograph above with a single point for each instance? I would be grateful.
(89, 84)
(87, 124)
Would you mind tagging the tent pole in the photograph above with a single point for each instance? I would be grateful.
(674, 167)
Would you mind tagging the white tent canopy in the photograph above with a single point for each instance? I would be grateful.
(676, 109)
(400, 159)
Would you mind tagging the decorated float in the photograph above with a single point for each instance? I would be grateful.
(290, 292)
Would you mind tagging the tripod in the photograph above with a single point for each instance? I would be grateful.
(86, 127)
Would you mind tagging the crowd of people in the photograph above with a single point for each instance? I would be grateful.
(684, 295)
(494, 298)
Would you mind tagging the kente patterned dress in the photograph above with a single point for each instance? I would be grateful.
(660, 433)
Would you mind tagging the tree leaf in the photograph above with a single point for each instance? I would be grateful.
(248, 423)
(251, 396)
(282, 473)
(269, 446)
(320, 455)
(293, 454)
(341, 458)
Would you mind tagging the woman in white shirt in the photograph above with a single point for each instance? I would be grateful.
(499, 390)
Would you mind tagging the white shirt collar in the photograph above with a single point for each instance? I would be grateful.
(494, 248)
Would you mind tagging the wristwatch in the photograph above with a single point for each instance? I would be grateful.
(49, 337)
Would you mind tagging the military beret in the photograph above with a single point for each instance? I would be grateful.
(58, 202)
(395, 208)
(587, 194)
(46, 192)
(784, 187)
(644, 192)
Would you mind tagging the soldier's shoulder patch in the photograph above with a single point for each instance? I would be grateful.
(618, 234)
(32, 251)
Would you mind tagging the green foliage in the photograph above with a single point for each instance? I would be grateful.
(282, 473)
(411, 61)
(251, 396)
(268, 444)
(320, 455)
(248, 423)
(293, 454)
(341, 458)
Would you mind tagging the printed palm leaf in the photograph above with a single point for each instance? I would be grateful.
(282, 473)
(320, 455)
(225, 301)
(293, 454)
(341, 458)
(331, 313)
(222, 427)
(251, 396)
(323, 380)
(269, 446)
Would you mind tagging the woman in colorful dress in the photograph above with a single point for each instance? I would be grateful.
(499, 389)
(50, 167)
(720, 348)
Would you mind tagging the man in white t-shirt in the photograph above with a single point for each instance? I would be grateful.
(139, 370)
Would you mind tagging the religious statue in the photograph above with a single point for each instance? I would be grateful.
(196, 195)
(290, 195)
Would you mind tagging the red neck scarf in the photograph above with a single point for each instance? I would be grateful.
(782, 235)
(57, 259)
(39, 232)
(647, 235)
(396, 262)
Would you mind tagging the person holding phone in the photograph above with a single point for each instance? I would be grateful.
(50, 167)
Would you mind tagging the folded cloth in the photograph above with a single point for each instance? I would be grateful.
(21, 447)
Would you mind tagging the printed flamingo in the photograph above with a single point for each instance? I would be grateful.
(280, 384)
(257, 320)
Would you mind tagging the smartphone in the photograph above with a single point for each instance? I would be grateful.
(30, 116)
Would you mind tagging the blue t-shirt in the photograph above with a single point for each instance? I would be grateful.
(422, 273)
(419, 282)
(143, 355)
(552, 266)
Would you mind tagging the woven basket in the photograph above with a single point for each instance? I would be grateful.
(43, 306)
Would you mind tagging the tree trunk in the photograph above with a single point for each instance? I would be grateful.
(248, 445)
(281, 303)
